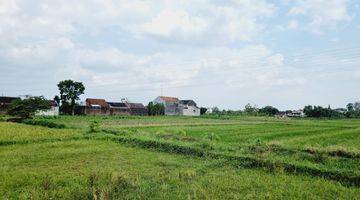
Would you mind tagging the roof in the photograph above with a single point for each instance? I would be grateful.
(169, 99)
(136, 105)
(117, 104)
(100, 102)
(7, 100)
(188, 102)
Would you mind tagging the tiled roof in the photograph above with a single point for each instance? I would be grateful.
(117, 104)
(136, 105)
(169, 99)
(188, 102)
(100, 102)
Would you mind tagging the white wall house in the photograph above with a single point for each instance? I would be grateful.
(189, 108)
(53, 111)
(171, 104)
(174, 106)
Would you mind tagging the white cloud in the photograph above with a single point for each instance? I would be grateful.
(143, 45)
(197, 21)
(293, 24)
(321, 13)
(169, 23)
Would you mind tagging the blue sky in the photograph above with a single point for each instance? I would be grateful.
(286, 53)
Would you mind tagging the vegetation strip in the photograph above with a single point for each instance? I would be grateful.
(186, 124)
(43, 123)
(334, 153)
(13, 142)
(241, 161)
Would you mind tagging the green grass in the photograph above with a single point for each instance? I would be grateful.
(180, 158)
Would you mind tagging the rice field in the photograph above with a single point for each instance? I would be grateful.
(181, 158)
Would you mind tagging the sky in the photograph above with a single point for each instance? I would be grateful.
(225, 53)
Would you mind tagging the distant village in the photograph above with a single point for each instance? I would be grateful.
(173, 106)
(93, 106)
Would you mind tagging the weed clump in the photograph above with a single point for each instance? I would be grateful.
(94, 127)
(187, 175)
(114, 186)
(212, 137)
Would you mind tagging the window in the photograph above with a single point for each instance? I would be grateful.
(95, 106)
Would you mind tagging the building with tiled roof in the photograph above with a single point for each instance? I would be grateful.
(174, 106)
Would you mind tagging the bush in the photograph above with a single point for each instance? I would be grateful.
(28, 107)
(155, 109)
(43, 123)
(2, 118)
(94, 127)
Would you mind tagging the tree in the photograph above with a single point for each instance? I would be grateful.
(216, 110)
(318, 111)
(57, 100)
(155, 109)
(203, 110)
(353, 110)
(269, 110)
(250, 109)
(28, 107)
(357, 106)
(350, 107)
(70, 92)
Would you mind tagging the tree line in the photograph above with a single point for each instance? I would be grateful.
(70, 92)
(352, 110)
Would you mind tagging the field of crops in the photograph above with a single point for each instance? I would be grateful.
(180, 158)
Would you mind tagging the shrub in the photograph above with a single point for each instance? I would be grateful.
(212, 137)
(94, 127)
(187, 175)
(43, 123)
(2, 118)
(28, 107)
(155, 109)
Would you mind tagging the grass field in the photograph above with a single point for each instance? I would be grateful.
(181, 158)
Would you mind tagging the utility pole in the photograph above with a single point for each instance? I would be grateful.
(161, 89)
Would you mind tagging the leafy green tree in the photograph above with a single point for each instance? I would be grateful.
(57, 100)
(155, 109)
(269, 110)
(28, 107)
(70, 92)
(216, 110)
(318, 111)
(203, 110)
(357, 106)
(350, 107)
(353, 110)
(252, 110)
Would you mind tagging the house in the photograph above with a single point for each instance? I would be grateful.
(291, 113)
(174, 106)
(171, 104)
(189, 108)
(97, 107)
(102, 107)
(5, 103)
(53, 111)
(137, 109)
(119, 108)
(296, 113)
